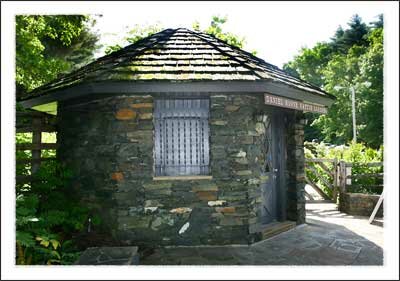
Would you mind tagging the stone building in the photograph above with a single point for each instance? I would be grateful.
(183, 139)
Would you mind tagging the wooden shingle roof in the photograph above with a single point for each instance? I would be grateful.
(178, 55)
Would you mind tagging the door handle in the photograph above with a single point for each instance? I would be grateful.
(275, 170)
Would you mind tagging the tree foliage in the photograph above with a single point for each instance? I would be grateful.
(355, 35)
(215, 29)
(352, 59)
(47, 215)
(135, 34)
(49, 45)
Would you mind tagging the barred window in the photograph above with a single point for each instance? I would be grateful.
(181, 137)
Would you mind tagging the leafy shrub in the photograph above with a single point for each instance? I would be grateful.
(46, 218)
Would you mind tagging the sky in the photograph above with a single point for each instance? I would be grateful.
(277, 31)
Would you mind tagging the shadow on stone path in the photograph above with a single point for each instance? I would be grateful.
(328, 238)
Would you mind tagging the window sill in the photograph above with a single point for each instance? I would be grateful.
(170, 178)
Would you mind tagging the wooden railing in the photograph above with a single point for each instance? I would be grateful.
(327, 175)
(347, 176)
(35, 123)
(339, 177)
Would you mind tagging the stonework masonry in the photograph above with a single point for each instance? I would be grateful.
(108, 144)
(359, 204)
(295, 168)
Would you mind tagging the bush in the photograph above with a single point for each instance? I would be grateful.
(47, 216)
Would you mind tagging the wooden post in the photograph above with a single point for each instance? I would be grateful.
(348, 173)
(335, 180)
(335, 172)
(378, 204)
(36, 139)
(342, 176)
(37, 124)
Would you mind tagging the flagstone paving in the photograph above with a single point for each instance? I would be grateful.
(328, 238)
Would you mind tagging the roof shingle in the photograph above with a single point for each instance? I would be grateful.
(177, 55)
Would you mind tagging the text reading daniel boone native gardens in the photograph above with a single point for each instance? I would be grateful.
(293, 104)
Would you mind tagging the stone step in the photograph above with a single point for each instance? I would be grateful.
(109, 256)
(275, 228)
(319, 201)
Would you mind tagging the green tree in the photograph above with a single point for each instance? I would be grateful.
(216, 29)
(369, 88)
(379, 22)
(309, 64)
(49, 45)
(355, 35)
(47, 214)
(362, 69)
(81, 49)
(135, 34)
(353, 58)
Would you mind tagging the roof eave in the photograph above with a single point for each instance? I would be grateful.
(151, 87)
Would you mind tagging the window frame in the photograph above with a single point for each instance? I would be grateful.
(189, 115)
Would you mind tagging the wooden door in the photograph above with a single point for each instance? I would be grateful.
(271, 189)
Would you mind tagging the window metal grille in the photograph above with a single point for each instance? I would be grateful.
(181, 137)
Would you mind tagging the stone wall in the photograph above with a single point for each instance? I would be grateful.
(108, 143)
(359, 204)
(295, 168)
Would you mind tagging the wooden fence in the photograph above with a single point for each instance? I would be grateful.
(327, 175)
(338, 176)
(348, 179)
(35, 123)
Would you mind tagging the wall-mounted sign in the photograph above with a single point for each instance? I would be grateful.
(293, 104)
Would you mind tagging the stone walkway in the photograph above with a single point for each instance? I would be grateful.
(328, 238)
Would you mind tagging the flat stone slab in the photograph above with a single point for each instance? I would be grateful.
(109, 256)
(329, 237)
